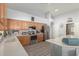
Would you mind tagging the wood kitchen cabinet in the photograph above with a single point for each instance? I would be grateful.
(40, 37)
(25, 40)
(38, 26)
(23, 25)
(14, 24)
(3, 13)
(18, 24)
(3, 10)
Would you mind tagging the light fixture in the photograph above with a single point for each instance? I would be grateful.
(56, 10)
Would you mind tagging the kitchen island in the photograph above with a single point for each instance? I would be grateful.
(58, 48)
(30, 39)
(12, 47)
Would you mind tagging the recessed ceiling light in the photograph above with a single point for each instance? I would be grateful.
(56, 10)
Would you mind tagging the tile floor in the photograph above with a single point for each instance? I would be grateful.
(39, 49)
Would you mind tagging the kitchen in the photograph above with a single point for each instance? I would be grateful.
(36, 30)
(24, 32)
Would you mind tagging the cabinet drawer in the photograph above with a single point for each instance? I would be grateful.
(25, 40)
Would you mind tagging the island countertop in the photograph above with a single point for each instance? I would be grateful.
(12, 47)
(58, 41)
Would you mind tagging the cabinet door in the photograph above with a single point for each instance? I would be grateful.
(68, 51)
(56, 50)
(25, 40)
(40, 38)
(12, 24)
(38, 26)
(1, 27)
(3, 12)
(18, 25)
(24, 25)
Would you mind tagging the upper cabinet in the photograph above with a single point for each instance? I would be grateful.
(22, 25)
(3, 14)
(3, 10)
(14, 24)
(38, 26)
(17, 24)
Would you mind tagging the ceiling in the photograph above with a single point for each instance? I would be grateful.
(40, 9)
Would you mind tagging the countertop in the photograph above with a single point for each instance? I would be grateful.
(12, 47)
(28, 34)
(59, 42)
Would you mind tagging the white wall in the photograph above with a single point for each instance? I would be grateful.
(15, 14)
(61, 21)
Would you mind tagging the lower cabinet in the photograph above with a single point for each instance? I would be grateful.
(58, 50)
(40, 38)
(68, 51)
(25, 40)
